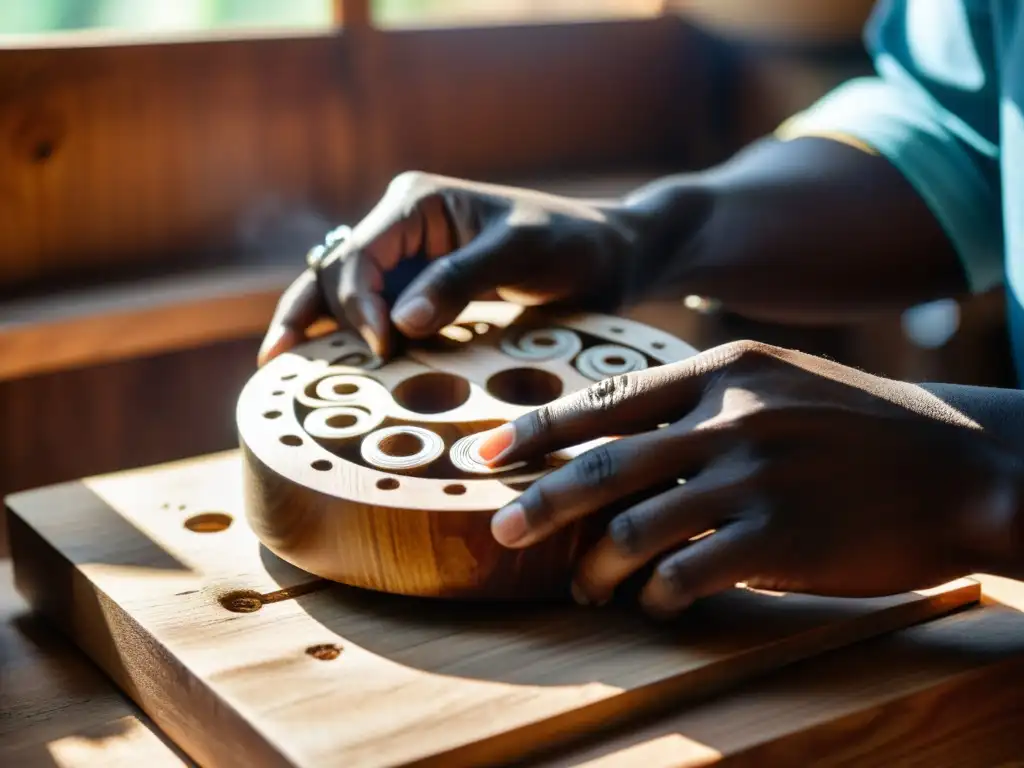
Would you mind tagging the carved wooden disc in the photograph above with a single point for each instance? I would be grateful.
(365, 474)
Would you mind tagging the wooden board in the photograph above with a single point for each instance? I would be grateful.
(325, 675)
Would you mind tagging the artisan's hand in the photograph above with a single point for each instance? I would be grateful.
(814, 477)
(434, 244)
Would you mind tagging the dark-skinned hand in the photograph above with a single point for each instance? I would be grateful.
(433, 244)
(813, 477)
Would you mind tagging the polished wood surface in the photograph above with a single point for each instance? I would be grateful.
(354, 504)
(949, 692)
(243, 659)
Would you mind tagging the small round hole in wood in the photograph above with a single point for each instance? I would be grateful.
(353, 359)
(401, 444)
(338, 343)
(455, 489)
(209, 522)
(615, 360)
(321, 465)
(242, 601)
(525, 386)
(544, 341)
(324, 651)
(291, 440)
(433, 392)
(617, 329)
(272, 415)
(658, 345)
(387, 484)
(346, 388)
(277, 392)
(341, 421)
(288, 376)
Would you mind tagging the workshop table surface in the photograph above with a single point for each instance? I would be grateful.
(947, 692)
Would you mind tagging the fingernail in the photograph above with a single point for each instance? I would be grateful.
(508, 525)
(416, 313)
(579, 595)
(270, 344)
(495, 442)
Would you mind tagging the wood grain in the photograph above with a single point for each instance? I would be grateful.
(305, 675)
(203, 151)
(315, 498)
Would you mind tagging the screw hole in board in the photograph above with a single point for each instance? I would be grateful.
(324, 651)
(321, 465)
(272, 414)
(341, 421)
(616, 329)
(291, 440)
(456, 489)
(209, 522)
(658, 345)
(288, 376)
(242, 601)
(346, 388)
(387, 484)
(277, 392)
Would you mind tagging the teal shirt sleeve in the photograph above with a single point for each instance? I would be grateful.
(933, 111)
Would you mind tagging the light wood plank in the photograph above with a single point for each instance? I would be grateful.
(112, 560)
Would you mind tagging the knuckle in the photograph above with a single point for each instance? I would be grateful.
(608, 394)
(675, 576)
(538, 423)
(596, 466)
(627, 534)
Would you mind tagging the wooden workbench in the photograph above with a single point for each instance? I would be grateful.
(950, 692)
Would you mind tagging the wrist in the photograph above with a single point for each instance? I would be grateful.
(664, 220)
(989, 532)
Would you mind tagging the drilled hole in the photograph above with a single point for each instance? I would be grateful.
(288, 377)
(321, 465)
(401, 444)
(341, 421)
(242, 601)
(616, 329)
(525, 386)
(165, 506)
(271, 414)
(543, 341)
(324, 651)
(658, 345)
(277, 392)
(338, 343)
(387, 484)
(209, 522)
(615, 360)
(433, 392)
(292, 440)
(457, 489)
(345, 388)
(181, 507)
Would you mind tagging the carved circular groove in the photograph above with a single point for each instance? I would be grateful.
(525, 386)
(542, 344)
(342, 422)
(465, 456)
(209, 522)
(433, 392)
(350, 389)
(401, 448)
(606, 360)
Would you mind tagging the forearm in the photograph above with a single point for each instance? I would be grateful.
(806, 231)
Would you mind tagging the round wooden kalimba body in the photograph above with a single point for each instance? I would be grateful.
(368, 475)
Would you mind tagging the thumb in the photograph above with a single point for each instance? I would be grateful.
(438, 294)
